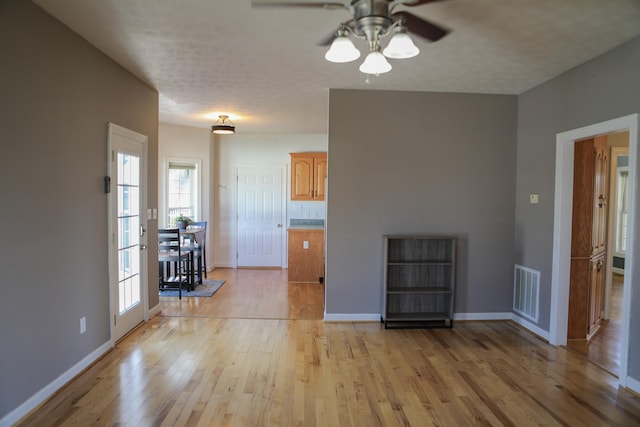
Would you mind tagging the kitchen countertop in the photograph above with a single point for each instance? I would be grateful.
(306, 227)
(306, 224)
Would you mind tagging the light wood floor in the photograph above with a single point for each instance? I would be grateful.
(251, 356)
(604, 348)
(253, 294)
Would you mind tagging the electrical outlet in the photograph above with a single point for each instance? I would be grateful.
(83, 325)
(305, 244)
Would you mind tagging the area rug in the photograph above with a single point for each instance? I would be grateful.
(206, 289)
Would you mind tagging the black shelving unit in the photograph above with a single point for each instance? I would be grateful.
(419, 281)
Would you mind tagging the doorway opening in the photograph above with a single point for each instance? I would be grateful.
(562, 229)
(602, 322)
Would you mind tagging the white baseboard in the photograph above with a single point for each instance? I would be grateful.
(223, 265)
(153, 312)
(375, 317)
(482, 316)
(41, 396)
(530, 326)
(633, 385)
(351, 317)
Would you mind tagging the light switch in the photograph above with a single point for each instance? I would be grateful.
(534, 198)
(305, 244)
(149, 213)
(155, 213)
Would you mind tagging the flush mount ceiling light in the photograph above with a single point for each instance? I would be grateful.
(372, 21)
(223, 126)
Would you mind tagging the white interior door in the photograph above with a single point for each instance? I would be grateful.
(127, 224)
(260, 216)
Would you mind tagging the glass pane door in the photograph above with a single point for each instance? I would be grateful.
(128, 231)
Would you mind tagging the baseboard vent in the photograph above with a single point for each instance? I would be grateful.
(526, 292)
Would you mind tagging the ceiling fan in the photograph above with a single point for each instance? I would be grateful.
(372, 20)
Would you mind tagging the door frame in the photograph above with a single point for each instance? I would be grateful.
(111, 194)
(563, 206)
(285, 199)
(612, 223)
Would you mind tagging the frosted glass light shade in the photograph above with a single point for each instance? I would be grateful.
(375, 63)
(342, 50)
(401, 47)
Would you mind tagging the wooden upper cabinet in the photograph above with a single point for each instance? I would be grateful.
(308, 171)
(589, 225)
(320, 173)
(600, 195)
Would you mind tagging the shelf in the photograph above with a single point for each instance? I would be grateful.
(419, 281)
(418, 290)
(434, 263)
(416, 316)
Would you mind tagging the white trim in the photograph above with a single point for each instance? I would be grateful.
(198, 191)
(223, 265)
(562, 230)
(375, 317)
(352, 317)
(283, 220)
(617, 270)
(153, 312)
(47, 391)
(612, 223)
(114, 129)
(483, 316)
(633, 384)
(530, 326)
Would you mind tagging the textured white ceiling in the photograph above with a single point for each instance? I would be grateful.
(264, 68)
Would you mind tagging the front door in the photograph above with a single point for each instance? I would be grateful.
(127, 224)
(260, 216)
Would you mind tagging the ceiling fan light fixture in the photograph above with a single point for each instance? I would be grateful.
(401, 46)
(223, 126)
(342, 50)
(375, 63)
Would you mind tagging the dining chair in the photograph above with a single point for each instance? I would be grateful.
(200, 249)
(173, 261)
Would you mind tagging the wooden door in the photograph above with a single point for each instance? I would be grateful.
(596, 291)
(320, 173)
(301, 176)
(583, 200)
(600, 193)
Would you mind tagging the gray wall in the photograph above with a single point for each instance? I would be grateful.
(57, 95)
(602, 89)
(431, 163)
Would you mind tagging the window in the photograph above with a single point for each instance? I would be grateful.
(182, 190)
(621, 210)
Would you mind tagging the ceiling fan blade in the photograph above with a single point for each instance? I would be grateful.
(421, 27)
(318, 5)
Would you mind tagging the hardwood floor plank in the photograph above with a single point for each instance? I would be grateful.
(251, 362)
